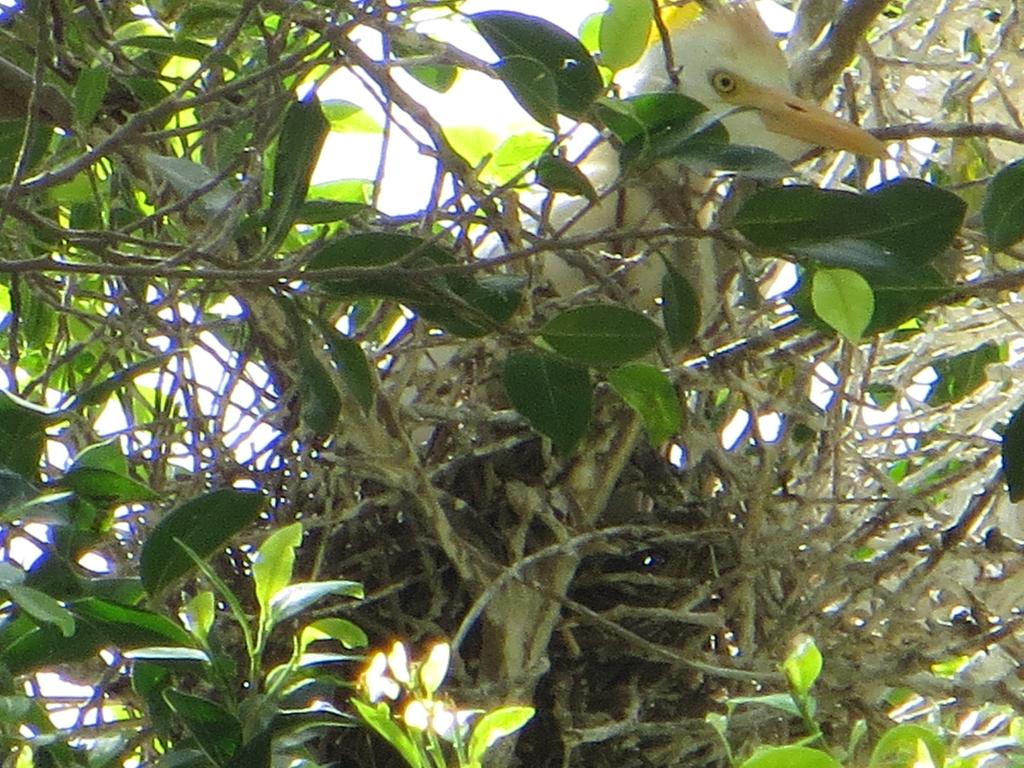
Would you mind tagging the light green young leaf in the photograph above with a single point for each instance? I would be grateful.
(434, 669)
(379, 718)
(342, 630)
(790, 757)
(802, 666)
(844, 300)
(496, 725)
(273, 564)
(198, 613)
(625, 29)
(295, 598)
(901, 745)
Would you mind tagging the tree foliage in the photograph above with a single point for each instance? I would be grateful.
(253, 421)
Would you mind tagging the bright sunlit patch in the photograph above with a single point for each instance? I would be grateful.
(734, 430)
(823, 384)
(769, 427)
(916, 82)
(95, 562)
(677, 456)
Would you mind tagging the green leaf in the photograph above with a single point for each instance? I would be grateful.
(127, 626)
(187, 178)
(106, 488)
(555, 397)
(649, 392)
(437, 77)
(97, 393)
(255, 753)
(898, 747)
(962, 374)
(671, 126)
(379, 719)
(803, 666)
(295, 598)
(680, 308)
(782, 217)
(924, 218)
(548, 70)
(639, 117)
(342, 630)
(601, 334)
(320, 401)
(354, 368)
(790, 757)
(780, 701)
(298, 148)
(707, 156)
(205, 524)
(273, 564)
(106, 455)
(22, 435)
(909, 219)
(1013, 455)
(164, 653)
(198, 614)
(496, 725)
(1003, 210)
(844, 300)
(217, 732)
(90, 88)
(15, 490)
(346, 117)
(625, 30)
(42, 607)
(559, 175)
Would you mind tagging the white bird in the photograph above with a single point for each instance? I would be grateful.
(726, 58)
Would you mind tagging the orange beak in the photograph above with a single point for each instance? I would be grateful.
(789, 115)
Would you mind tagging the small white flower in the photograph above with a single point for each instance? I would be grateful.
(434, 669)
(398, 663)
(376, 680)
(417, 715)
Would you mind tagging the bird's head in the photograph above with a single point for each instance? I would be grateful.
(726, 58)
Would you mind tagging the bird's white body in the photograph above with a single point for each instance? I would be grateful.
(729, 61)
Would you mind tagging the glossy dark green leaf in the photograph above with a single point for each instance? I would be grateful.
(354, 368)
(671, 126)
(601, 334)
(374, 249)
(328, 211)
(706, 156)
(680, 309)
(22, 426)
(255, 753)
(217, 732)
(90, 89)
(26, 646)
(910, 220)
(106, 455)
(649, 392)
(923, 218)
(1013, 455)
(624, 33)
(1003, 210)
(962, 374)
(843, 253)
(302, 137)
(559, 175)
(205, 524)
(320, 401)
(127, 626)
(903, 294)
(555, 397)
(103, 487)
(538, 48)
(782, 217)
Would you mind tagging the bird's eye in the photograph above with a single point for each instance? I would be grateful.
(723, 82)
